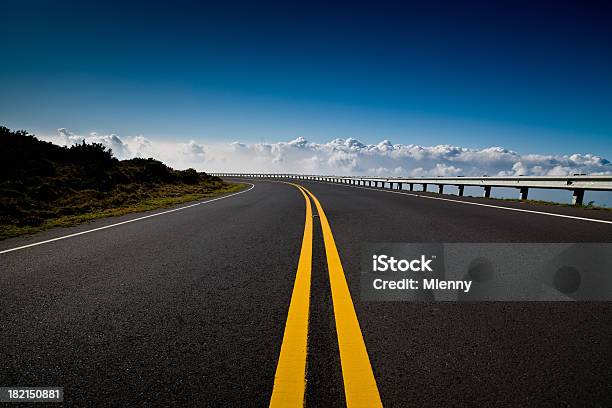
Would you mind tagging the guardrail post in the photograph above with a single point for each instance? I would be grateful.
(487, 192)
(440, 188)
(524, 193)
(460, 192)
(399, 186)
(411, 187)
(425, 187)
(578, 196)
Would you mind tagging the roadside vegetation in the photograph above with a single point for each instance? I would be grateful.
(43, 185)
(588, 206)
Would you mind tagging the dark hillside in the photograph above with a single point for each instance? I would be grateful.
(43, 185)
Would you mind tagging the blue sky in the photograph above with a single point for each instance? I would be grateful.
(534, 77)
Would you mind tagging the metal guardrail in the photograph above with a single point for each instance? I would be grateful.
(578, 184)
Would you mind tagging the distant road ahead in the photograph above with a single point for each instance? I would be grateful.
(190, 307)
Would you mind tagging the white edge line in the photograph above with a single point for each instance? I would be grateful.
(125, 222)
(469, 202)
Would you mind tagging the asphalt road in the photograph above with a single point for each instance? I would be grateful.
(189, 308)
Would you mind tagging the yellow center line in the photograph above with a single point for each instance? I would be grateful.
(290, 378)
(360, 386)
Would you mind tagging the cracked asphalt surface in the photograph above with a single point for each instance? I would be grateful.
(188, 308)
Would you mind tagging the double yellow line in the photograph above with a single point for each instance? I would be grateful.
(290, 380)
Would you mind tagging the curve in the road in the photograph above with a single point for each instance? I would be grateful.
(501, 207)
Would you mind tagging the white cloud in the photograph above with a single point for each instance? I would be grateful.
(344, 156)
(139, 146)
(119, 148)
(194, 150)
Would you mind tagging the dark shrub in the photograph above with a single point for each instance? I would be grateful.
(94, 154)
(31, 221)
(45, 192)
(190, 176)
